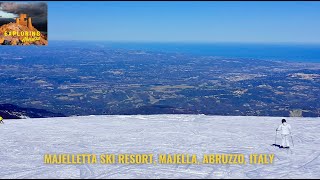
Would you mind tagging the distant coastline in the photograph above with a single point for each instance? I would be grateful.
(295, 52)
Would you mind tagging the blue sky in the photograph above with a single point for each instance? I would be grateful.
(263, 22)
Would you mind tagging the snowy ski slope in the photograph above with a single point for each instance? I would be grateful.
(24, 142)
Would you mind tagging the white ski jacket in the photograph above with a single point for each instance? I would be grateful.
(285, 128)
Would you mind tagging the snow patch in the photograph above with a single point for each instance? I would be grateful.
(24, 142)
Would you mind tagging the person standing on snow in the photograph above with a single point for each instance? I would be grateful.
(1, 120)
(285, 130)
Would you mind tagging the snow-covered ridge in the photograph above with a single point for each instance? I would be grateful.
(25, 141)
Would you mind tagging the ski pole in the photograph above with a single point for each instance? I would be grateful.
(292, 140)
(275, 139)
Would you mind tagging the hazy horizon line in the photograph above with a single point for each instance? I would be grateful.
(192, 42)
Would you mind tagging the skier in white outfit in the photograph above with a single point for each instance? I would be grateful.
(285, 130)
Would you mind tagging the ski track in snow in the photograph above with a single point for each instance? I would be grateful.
(24, 142)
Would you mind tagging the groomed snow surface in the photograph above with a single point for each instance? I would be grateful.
(24, 143)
